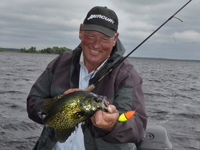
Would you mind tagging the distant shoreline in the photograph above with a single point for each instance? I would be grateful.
(14, 50)
(128, 57)
(54, 50)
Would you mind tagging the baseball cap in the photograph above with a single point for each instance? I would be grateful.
(101, 19)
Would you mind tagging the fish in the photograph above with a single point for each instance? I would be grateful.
(65, 112)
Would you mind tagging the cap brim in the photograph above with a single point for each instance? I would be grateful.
(103, 30)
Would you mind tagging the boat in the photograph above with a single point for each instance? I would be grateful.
(155, 138)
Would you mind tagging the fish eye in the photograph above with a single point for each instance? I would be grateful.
(99, 99)
(94, 99)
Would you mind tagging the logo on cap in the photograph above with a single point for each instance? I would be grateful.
(99, 16)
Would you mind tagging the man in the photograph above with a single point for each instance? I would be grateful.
(71, 71)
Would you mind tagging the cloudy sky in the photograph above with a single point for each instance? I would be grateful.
(48, 23)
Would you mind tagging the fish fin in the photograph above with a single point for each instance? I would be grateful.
(62, 135)
(47, 103)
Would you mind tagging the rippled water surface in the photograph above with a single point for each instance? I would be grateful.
(171, 88)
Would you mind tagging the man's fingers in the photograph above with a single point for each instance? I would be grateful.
(112, 109)
(72, 90)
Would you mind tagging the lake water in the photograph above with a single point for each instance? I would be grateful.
(171, 88)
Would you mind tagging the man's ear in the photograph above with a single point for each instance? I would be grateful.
(115, 39)
(80, 32)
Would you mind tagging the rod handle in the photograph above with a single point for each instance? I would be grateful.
(90, 88)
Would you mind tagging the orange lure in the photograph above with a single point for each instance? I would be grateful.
(125, 116)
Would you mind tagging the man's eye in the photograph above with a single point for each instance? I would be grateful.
(104, 39)
(90, 35)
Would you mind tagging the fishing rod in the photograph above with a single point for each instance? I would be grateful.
(92, 86)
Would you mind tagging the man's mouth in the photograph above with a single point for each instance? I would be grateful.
(95, 52)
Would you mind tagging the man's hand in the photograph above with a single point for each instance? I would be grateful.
(72, 90)
(106, 120)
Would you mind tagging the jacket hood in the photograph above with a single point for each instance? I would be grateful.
(117, 52)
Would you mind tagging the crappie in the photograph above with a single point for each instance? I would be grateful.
(65, 112)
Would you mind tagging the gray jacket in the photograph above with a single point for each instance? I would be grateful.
(123, 88)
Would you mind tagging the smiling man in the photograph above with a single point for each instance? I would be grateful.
(98, 35)
(96, 48)
(99, 50)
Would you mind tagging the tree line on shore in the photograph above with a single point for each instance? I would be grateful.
(54, 50)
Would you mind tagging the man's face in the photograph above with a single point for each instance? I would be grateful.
(96, 46)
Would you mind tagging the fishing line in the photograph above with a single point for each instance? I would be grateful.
(178, 19)
(92, 86)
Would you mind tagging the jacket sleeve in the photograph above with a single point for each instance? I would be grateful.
(128, 96)
(40, 90)
(132, 130)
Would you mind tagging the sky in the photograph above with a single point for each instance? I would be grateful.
(49, 23)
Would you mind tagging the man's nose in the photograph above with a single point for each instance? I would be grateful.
(97, 43)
